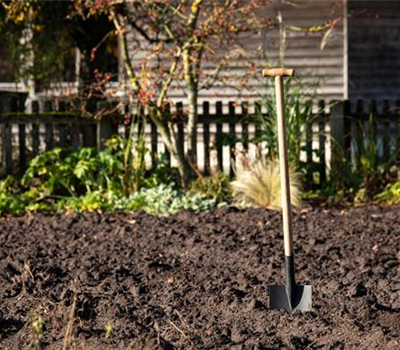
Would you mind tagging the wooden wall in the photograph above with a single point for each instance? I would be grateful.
(374, 49)
(6, 73)
(313, 61)
(370, 33)
(303, 52)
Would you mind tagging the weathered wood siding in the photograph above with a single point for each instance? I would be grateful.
(374, 49)
(6, 73)
(261, 48)
(304, 51)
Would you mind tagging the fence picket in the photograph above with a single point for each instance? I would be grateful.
(321, 142)
(386, 129)
(397, 129)
(245, 126)
(8, 148)
(35, 130)
(22, 147)
(257, 111)
(309, 150)
(181, 131)
(218, 139)
(49, 130)
(206, 140)
(154, 144)
(232, 138)
(71, 129)
(339, 126)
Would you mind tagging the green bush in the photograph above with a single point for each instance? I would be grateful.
(161, 200)
(91, 180)
(390, 195)
(11, 201)
(216, 186)
(165, 200)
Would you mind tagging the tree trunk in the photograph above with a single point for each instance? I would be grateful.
(171, 141)
(184, 165)
(192, 126)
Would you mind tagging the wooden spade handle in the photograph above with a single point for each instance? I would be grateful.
(284, 167)
(278, 72)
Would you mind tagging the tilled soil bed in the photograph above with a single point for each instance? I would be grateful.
(199, 281)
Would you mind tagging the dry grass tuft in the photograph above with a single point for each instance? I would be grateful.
(259, 182)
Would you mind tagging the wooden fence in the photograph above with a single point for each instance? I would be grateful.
(223, 133)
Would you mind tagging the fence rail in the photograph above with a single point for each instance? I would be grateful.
(222, 134)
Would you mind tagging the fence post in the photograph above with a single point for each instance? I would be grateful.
(232, 133)
(181, 131)
(5, 107)
(49, 131)
(22, 137)
(245, 126)
(35, 131)
(218, 138)
(339, 130)
(386, 129)
(321, 142)
(105, 129)
(206, 139)
(309, 147)
(62, 129)
(2, 134)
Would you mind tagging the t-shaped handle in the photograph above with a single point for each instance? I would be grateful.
(278, 72)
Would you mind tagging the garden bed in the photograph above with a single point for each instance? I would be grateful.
(199, 281)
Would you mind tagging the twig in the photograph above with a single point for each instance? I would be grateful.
(180, 331)
(183, 320)
(68, 332)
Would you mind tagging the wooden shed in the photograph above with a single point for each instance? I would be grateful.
(357, 58)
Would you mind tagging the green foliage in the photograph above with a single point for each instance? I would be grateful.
(107, 180)
(216, 186)
(165, 200)
(162, 174)
(51, 173)
(365, 174)
(390, 194)
(161, 200)
(57, 173)
(11, 201)
(369, 170)
(299, 115)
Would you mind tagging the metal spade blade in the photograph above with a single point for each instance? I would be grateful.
(301, 298)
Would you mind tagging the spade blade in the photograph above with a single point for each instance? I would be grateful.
(302, 298)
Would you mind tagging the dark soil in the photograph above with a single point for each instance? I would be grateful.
(199, 281)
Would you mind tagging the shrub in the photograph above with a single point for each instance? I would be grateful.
(259, 182)
(92, 180)
(390, 195)
(11, 201)
(216, 186)
(165, 200)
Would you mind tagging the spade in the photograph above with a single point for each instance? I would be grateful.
(291, 296)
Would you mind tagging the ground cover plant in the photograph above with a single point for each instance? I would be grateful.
(108, 180)
(198, 281)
